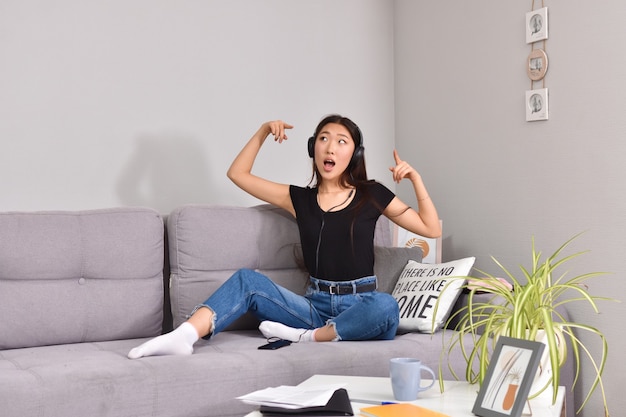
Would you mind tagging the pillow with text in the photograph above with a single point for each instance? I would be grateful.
(423, 289)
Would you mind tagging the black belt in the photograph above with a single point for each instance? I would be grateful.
(343, 289)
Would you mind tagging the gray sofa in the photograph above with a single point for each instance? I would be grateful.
(78, 290)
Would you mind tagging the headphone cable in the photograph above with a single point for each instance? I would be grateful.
(319, 238)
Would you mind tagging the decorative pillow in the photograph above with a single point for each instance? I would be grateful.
(421, 286)
(389, 263)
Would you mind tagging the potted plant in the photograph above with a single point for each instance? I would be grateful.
(529, 307)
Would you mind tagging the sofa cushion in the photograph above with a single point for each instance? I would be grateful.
(69, 277)
(97, 379)
(263, 238)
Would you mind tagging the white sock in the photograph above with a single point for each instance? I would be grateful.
(274, 329)
(177, 342)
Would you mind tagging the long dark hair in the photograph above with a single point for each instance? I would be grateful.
(356, 173)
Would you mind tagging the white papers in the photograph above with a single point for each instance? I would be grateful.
(291, 397)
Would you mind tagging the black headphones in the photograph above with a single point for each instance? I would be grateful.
(357, 155)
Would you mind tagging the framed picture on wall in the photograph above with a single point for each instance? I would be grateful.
(431, 248)
(537, 64)
(509, 377)
(537, 25)
(537, 104)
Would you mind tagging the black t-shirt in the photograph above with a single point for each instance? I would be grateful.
(339, 245)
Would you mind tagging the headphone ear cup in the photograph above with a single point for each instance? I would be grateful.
(311, 146)
(357, 156)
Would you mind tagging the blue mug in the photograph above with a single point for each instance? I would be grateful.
(406, 378)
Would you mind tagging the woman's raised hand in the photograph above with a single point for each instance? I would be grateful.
(402, 169)
(277, 129)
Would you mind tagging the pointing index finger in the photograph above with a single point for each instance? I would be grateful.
(396, 157)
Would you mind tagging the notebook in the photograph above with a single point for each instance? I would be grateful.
(400, 410)
(338, 405)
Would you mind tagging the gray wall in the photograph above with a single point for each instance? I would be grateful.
(146, 103)
(498, 180)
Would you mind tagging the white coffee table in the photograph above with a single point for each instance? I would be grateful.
(457, 400)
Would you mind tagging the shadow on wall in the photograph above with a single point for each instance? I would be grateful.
(165, 171)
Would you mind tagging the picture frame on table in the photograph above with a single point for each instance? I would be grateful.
(510, 374)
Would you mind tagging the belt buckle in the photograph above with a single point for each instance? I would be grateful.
(335, 287)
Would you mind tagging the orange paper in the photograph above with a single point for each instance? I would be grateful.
(400, 410)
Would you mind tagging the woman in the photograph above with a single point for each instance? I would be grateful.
(336, 219)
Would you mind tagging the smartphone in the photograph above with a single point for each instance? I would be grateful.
(277, 344)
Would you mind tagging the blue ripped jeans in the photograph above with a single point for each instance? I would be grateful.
(363, 316)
